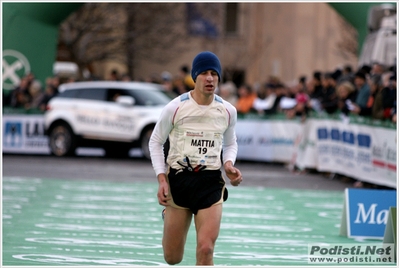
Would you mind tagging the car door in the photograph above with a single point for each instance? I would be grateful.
(120, 120)
(89, 112)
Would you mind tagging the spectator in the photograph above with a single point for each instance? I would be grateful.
(264, 101)
(374, 106)
(20, 100)
(376, 86)
(366, 69)
(115, 97)
(302, 99)
(228, 92)
(167, 81)
(188, 80)
(301, 108)
(315, 88)
(377, 69)
(328, 98)
(55, 83)
(280, 92)
(20, 95)
(114, 75)
(302, 84)
(245, 99)
(288, 106)
(336, 75)
(37, 95)
(347, 75)
(389, 97)
(288, 102)
(49, 92)
(274, 80)
(346, 94)
(363, 89)
(291, 90)
(178, 86)
(30, 77)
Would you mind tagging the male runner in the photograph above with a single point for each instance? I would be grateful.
(198, 124)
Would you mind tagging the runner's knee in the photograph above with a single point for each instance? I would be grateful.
(172, 258)
(205, 249)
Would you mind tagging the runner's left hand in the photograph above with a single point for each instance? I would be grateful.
(233, 173)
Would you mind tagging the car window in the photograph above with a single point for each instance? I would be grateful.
(113, 93)
(92, 94)
(68, 93)
(149, 97)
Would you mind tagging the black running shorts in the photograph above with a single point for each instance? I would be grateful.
(196, 190)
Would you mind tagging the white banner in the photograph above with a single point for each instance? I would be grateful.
(263, 140)
(363, 152)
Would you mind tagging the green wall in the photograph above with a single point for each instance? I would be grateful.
(30, 31)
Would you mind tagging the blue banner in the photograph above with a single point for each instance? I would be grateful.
(367, 211)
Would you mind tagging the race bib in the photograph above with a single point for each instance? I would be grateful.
(202, 147)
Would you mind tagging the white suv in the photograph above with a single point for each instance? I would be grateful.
(115, 116)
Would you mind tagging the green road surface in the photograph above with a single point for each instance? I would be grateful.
(97, 223)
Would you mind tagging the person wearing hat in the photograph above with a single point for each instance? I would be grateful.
(198, 124)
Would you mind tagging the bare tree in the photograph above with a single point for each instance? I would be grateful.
(93, 33)
(124, 31)
(152, 29)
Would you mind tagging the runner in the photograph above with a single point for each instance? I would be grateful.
(198, 124)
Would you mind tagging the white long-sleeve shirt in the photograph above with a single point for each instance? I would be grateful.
(182, 110)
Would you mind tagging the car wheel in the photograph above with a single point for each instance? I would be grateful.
(62, 141)
(145, 139)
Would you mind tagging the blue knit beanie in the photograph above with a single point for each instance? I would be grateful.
(205, 61)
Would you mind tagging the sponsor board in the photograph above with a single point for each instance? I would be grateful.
(24, 134)
(365, 212)
(359, 151)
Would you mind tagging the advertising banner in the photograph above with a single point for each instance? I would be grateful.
(366, 212)
(267, 140)
(24, 134)
(357, 150)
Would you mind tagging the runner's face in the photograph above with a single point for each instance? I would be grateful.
(207, 82)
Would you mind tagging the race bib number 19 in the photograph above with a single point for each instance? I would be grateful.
(202, 147)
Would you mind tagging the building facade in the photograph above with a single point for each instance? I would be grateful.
(253, 40)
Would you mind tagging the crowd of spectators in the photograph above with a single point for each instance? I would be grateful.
(31, 94)
(369, 91)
